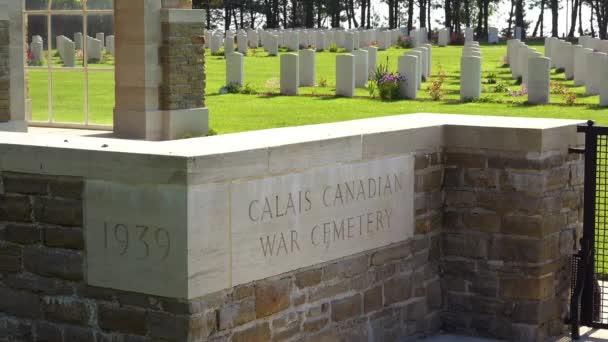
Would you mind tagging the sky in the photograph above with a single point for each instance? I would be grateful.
(500, 19)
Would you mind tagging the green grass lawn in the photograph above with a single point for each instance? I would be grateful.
(238, 112)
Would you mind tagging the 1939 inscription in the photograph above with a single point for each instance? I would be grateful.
(138, 241)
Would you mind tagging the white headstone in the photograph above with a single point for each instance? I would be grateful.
(308, 68)
(94, 49)
(384, 42)
(290, 75)
(36, 49)
(429, 59)
(272, 44)
(320, 41)
(419, 55)
(252, 36)
(493, 35)
(568, 60)
(470, 78)
(443, 38)
(78, 40)
(345, 75)
(539, 80)
(59, 45)
(424, 62)
(469, 34)
(603, 75)
(595, 61)
(361, 68)
(228, 44)
(293, 42)
(235, 69)
(349, 42)
(101, 37)
(69, 54)
(408, 69)
(518, 33)
(581, 55)
(242, 43)
(372, 59)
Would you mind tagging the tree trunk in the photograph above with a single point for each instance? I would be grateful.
(422, 5)
(227, 15)
(410, 15)
(363, 16)
(467, 13)
(519, 17)
(575, 4)
(536, 27)
(554, 18)
(351, 8)
(309, 14)
(510, 27)
(369, 14)
(479, 28)
(486, 18)
(580, 19)
(447, 6)
(457, 22)
(428, 19)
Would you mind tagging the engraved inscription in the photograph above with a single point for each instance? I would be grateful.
(137, 241)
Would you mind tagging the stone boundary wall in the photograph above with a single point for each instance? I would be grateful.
(5, 107)
(483, 188)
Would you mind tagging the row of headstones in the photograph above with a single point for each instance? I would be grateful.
(469, 35)
(66, 48)
(470, 71)
(352, 70)
(321, 40)
(585, 63)
(532, 68)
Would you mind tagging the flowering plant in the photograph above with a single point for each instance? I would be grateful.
(405, 42)
(388, 85)
(457, 38)
(31, 61)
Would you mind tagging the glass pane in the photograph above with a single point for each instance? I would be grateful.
(36, 5)
(67, 41)
(38, 94)
(99, 4)
(101, 97)
(68, 96)
(66, 4)
(37, 41)
(101, 43)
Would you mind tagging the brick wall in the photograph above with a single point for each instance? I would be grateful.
(489, 257)
(508, 236)
(183, 65)
(5, 112)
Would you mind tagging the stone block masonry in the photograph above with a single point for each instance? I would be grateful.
(471, 232)
(5, 108)
(183, 85)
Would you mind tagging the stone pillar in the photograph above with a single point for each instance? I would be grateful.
(12, 72)
(362, 68)
(470, 79)
(307, 68)
(160, 71)
(235, 69)
(345, 75)
(408, 68)
(290, 78)
(539, 80)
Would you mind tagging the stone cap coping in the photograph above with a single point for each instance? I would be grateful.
(313, 144)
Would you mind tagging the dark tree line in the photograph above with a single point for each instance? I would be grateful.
(457, 14)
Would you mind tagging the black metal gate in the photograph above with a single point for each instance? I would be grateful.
(589, 301)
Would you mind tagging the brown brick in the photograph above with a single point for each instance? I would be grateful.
(236, 314)
(328, 291)
(481, 178)
(244, 292)
(319, 310)
(24, 234)
(345, 308)
(19, 303)
(460, 199)
(525, 250)
(124, 320)
(60, 237)
(527, 288)
(67, 310)
(257, 333)
(466, 160)
(430, 181)
(453, 178)
(372, 299)
(272, 296)
(63, 212)
(67, 187)
(10, 257)
(397, 289)
(48, 332)
(78, 334)
(170, 327)
(526, 182)
(464, 245)
(308, 278)
(316, 325)
(533, 226)
(428, 224)
(392, 253)
(54, 263)
(483, 221)
(558, 178)
(42, 285)
(346, 268)
(22, 183)
(434, 295)
(15, 208)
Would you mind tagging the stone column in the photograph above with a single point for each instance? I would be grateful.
(408, 68)
(12, 63)
(539, 80)
(290, 78)
(470, 79)
(160, 75)
(345, 75)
